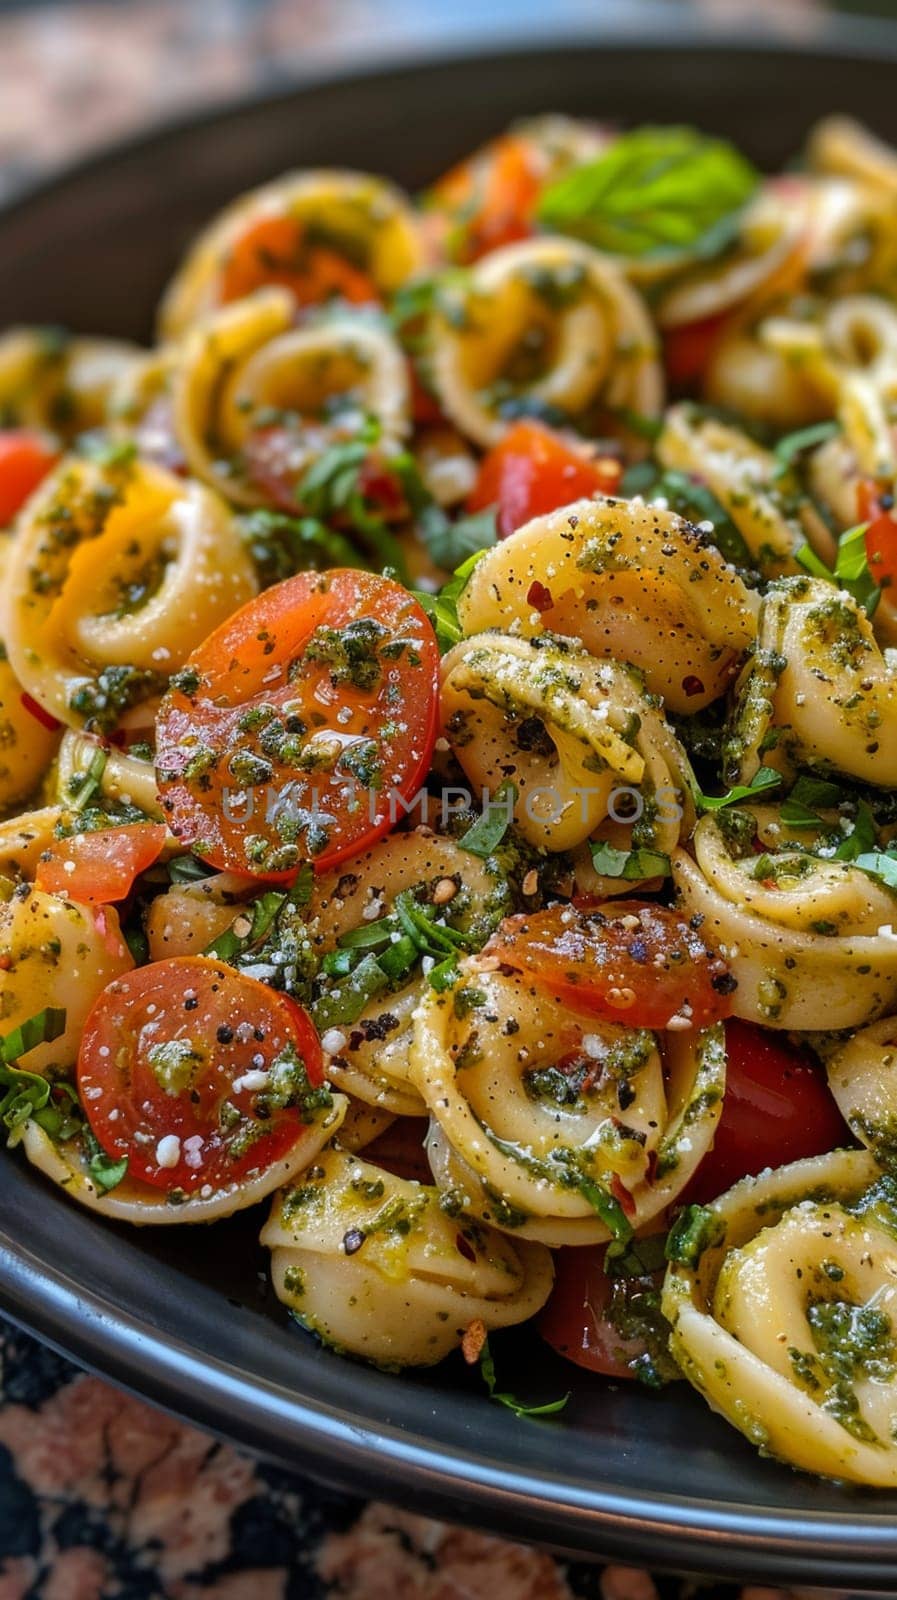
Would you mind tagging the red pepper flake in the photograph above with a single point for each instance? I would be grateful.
(692, 685)
(539, 597)
(472, 1341)
(622, 1196)
(5, 962)
(45, 719)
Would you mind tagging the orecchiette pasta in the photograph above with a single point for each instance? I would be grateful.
(633, 583)
(546, 323)
(282, 232)
(786, 1319)
(793, 924)
(546, 1121)
(115, 574)
(373, 1264)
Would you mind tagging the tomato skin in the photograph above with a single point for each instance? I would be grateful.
(635, 962)
(237, 1029)
(491, 198)
(26, 457)
(880, 538)
(262, 689)
(534, 470)
(99, 868)
(272, 250)
(777, 1108)
(687, 349)
(400, 1149)
(578, 1319)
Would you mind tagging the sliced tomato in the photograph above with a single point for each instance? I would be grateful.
(777, 1108)
(535, 470)
(26, 457)
(589, 1318)
(875, 506)
(98, 868)
(276, 250)
(300, 727)
(491, 198)
(197, 1074)
(633, 962)
(687, 350)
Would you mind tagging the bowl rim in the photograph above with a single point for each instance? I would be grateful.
(856, 1546)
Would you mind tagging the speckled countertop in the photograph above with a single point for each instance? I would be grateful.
(101, 1497)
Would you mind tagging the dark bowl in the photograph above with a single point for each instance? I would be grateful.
(180, 1315)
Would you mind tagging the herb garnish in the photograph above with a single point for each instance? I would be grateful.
(519, 1407)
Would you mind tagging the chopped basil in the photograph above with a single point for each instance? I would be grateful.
(879, 864)
(799, 808)
(486, 834)
(696, 1228)
(794, 444)
(42, 1028)
(851, 569)
(766, 778)
(655, 192)
(520, 1408)
(442, 608)
(613, 863)
(860, 840)
(281, 546)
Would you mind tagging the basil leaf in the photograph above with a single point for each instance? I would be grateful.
(655, 192)
(696, 1228)
(442, 608)
(765, 778)
(879, 864)
(449, 543)
(188, 869)
(861, 838)
(87, 783)
(344, 1004)
(798, 809)
(851, 569)
(106, 1172)
(793, 444)
(695, 501)
(613, 863)
(519, 1407)
(42, 1028)
(486, 834)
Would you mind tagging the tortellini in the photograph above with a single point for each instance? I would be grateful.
(557, 1125)
(862, 1075)
(355, 229)
(588, 754)
(28, 738)
(248, 368)
(784, 1316)
(767, 256)
(794, 926)
(374, 1264)
(115, 574)
(68, 1163)
(369, 1056)
(49, 380)
(632, 582)
(550, 324)
(817, 690)
(57, 953)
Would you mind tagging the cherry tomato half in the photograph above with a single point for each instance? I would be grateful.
(298, 729)
(490, 199)
(687, 350)
(196, 1073)
(97, 868)
(535, 470)
(876, 507)
(275, 250)
(582, 1320)
(777, 1108)
(25, 459)
(634, 962)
